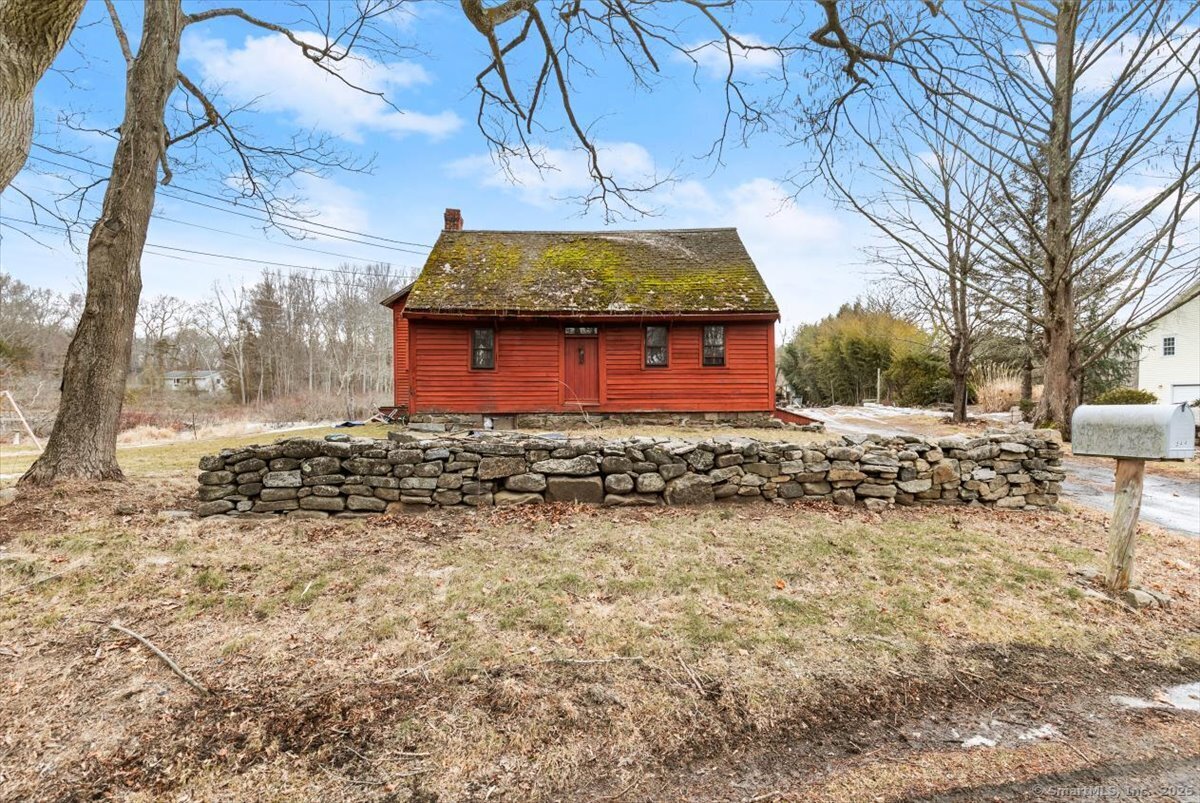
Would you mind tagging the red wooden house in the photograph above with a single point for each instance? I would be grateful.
(507, 322)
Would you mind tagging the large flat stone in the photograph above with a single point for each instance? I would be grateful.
(525, 483)
(332, 504)
(575, 489)
(690, 489)
(491, 468)
(507, 498)
(576, 466)
(283, 479)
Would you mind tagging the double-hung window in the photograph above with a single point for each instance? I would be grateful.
(656, 347)
(1169, 346)
(483, 349)
(714, 345)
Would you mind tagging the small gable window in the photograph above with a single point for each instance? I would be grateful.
(656, 347)
(714, 345)
(1169, 346)
(483, 348)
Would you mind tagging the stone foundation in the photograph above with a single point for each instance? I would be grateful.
(307, 478)
(449, 422)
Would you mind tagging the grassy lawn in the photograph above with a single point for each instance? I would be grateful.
(540, 653)
(178, 456)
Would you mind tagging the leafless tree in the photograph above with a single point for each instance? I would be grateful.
(83, 441)
(32, 32)
(1105, 96)
(929, 200)
(159, 320)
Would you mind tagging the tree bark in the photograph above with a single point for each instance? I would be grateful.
(1061, 367)
(32, 33)
(83, 442)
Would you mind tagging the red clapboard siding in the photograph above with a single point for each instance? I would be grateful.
(528, 376)
(400, 370)
(744, 384)
(525, 379)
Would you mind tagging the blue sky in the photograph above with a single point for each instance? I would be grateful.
(427, 158)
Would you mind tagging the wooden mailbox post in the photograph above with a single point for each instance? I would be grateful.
(1132, 434)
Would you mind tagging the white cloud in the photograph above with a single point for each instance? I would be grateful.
(563, 174)
(806, 253)
(803, 252)
(333, 204)
(713, 57)
(272, 73)
(1165, 62)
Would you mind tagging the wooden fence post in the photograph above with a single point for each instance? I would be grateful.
(1127, 502)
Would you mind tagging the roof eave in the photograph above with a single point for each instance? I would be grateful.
(399, 294)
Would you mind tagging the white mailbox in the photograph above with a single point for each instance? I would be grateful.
(1134, 431)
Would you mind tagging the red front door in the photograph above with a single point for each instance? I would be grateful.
(581, 370)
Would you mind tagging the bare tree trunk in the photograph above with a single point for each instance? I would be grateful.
(1027, 362)
(960, 369)
(1058, 397)
(1062, 363)
(84, 439)
(32, 33)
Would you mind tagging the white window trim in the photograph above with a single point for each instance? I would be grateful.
(1162, 344)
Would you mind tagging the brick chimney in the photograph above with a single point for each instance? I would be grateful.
(453, 220)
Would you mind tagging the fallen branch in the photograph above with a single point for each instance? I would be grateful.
(191, 681)
(692, 675)
(414, 669)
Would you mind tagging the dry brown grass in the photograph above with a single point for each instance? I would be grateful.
(422, 654)
(998, 388)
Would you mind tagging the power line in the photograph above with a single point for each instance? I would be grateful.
(254, 217)
(10, 220)
(327, 282)
(226, 200)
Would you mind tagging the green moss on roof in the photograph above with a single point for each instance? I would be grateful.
(684, 270)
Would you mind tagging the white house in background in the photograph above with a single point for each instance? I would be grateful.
(1170, 361)
(197, 381)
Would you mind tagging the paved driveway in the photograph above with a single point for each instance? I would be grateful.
(1167, 501)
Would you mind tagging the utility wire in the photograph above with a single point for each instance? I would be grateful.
(10, 220)
(298, 222)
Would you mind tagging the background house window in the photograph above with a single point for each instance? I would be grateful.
(656, 346)
(581, 330)
(483, 348)
(714, 345)
(1169, 346)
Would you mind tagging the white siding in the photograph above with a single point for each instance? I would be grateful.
(1158, 373)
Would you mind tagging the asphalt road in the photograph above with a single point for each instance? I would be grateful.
(1166, 501)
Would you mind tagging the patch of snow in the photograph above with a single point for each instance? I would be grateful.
(1133, 702)
(1042, 732)
(979, 741)
(1185, 697)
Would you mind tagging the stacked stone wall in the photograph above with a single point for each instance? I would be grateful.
(408, 472)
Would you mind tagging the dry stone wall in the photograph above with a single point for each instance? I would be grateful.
(306, 478)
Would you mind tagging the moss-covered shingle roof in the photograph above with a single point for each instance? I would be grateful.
(617, 272)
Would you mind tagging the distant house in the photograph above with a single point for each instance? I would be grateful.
(600, 321)
(1169, 365)
(197, 381)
